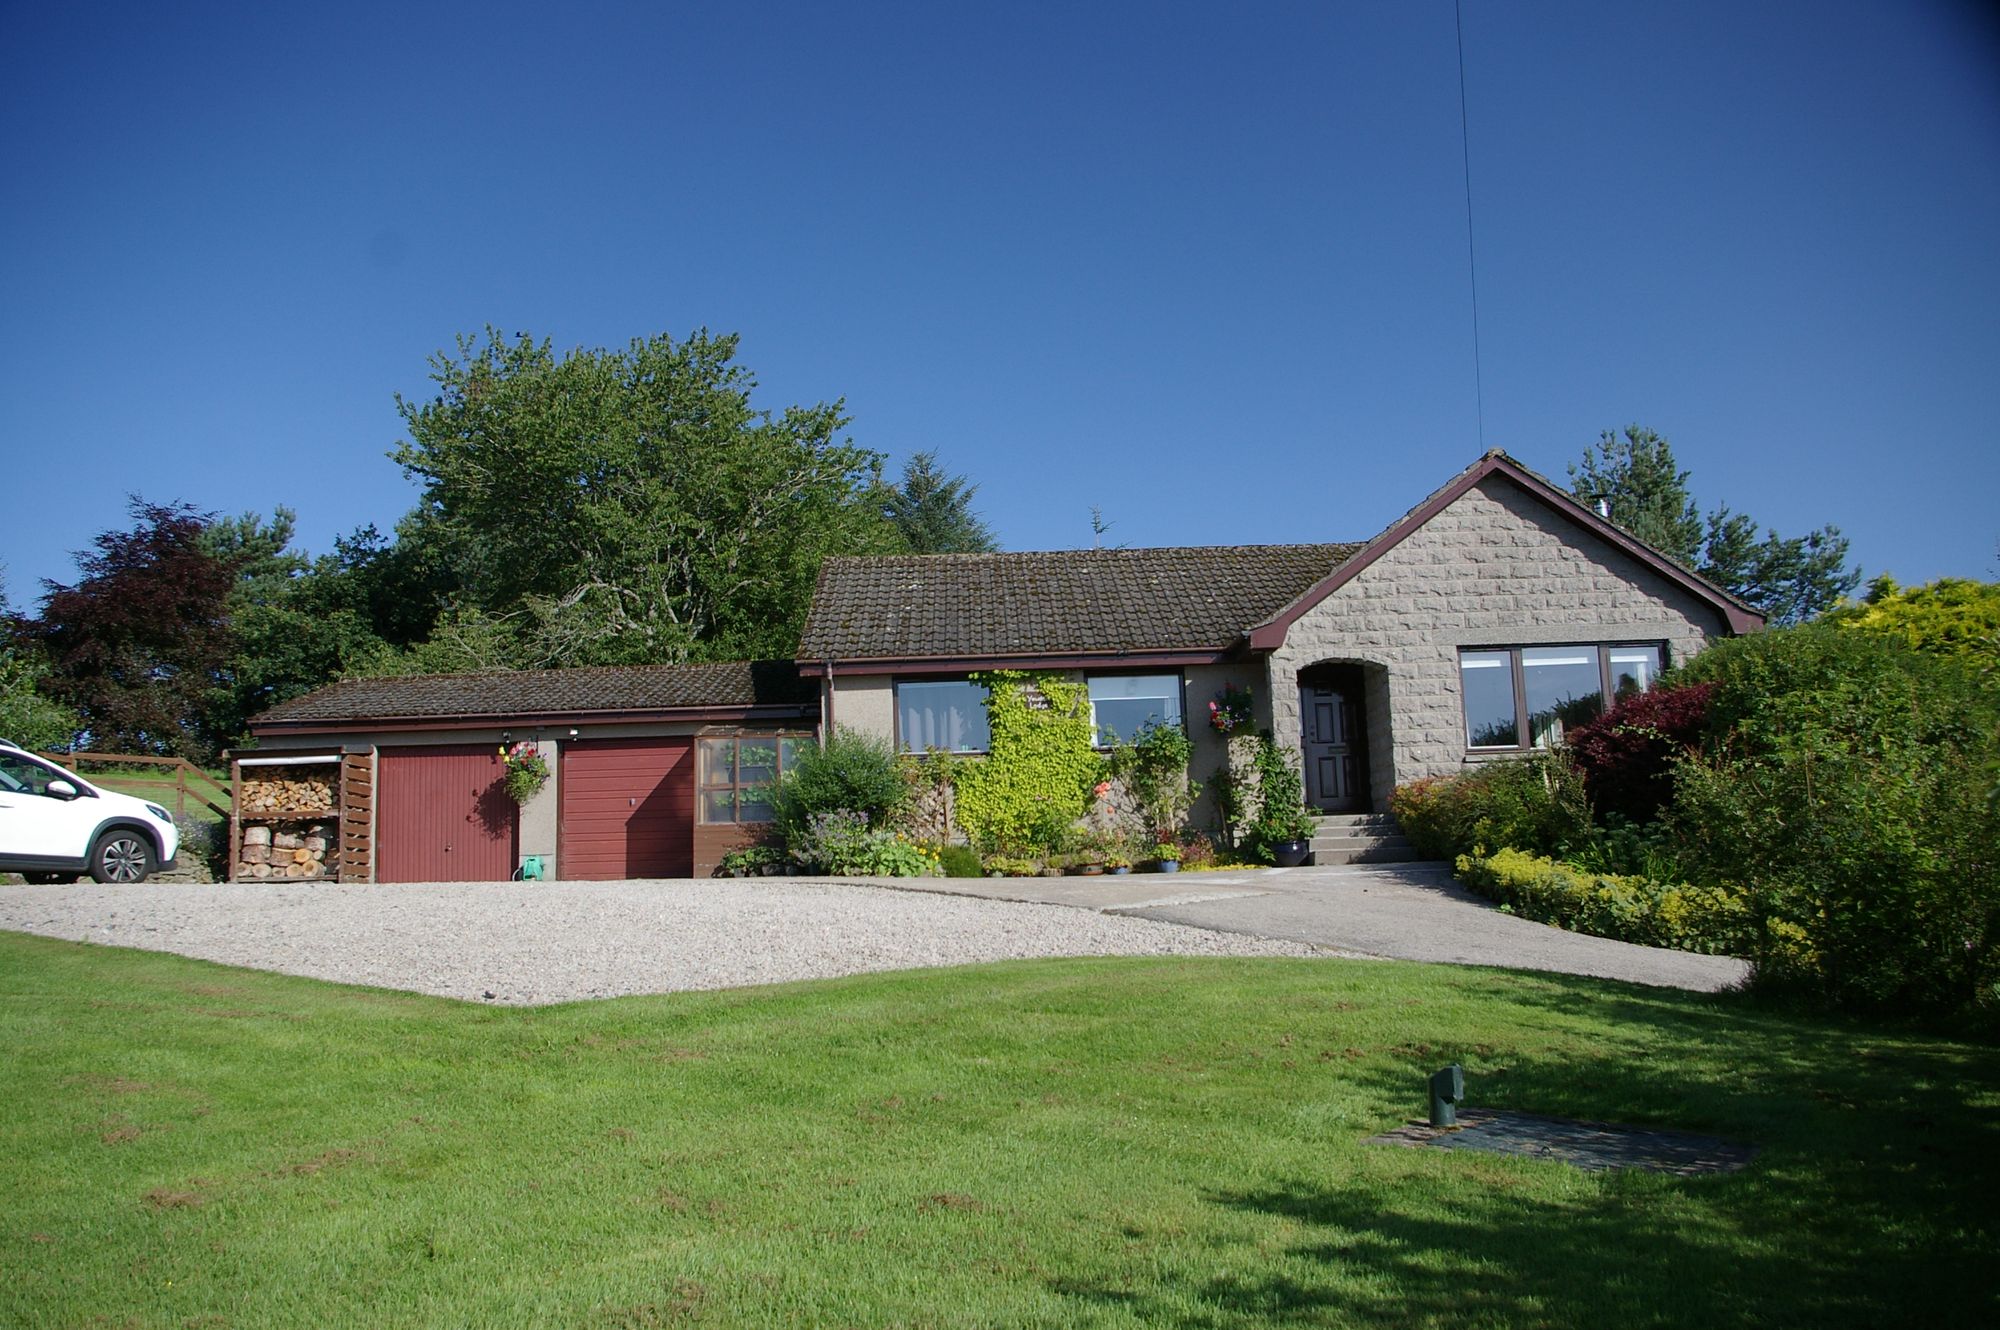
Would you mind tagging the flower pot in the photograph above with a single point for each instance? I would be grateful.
(1122, 869)
(1291, 853)
(1090, 870)
(1170, 865)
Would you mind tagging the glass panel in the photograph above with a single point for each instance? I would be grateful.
(718, 805)
(1488, 677)
(717, 760)
(756, 761)
(950, 716)
(754, 805)
(1563, 688)
(1633, 669)
(1123, 704)
(789, 750)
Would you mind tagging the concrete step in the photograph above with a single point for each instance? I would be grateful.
(1360, 838)
(1372, 821)
(1403, 853)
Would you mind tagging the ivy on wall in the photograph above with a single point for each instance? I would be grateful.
(1040, 768)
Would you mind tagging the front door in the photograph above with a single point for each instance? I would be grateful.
(1332, 744)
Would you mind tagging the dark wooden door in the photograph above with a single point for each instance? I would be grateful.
(443, 815)
(1332, 747)
(627, 809)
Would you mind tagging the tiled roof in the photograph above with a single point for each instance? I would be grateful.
(968, 606)
(504, 693)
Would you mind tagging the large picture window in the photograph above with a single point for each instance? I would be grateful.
(950, 716)
(737, 773)
(1527, 697)
(1121, 705)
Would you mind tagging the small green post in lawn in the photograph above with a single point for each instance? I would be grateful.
(1447, 1088)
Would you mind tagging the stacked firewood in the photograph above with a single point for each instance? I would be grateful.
(287, 852)
(263, 796)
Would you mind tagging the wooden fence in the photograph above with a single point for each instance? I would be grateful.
(186, 782)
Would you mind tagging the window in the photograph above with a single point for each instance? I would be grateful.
(1121, 705)
(1526, 697)
(736, 774)
(950, 716)
(18, 775)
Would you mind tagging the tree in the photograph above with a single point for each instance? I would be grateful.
(295, 623)
(933, 510)
(1788, 579)
(28, 716)
(631, 506)
(138, 643)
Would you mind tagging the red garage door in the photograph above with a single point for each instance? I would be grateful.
(627, 809)
(443, 815)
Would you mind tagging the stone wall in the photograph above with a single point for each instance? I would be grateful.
(1495, 568)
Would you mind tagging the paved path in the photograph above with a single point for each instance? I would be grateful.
(1404, 911)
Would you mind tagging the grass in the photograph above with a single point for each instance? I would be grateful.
(1075, 1143)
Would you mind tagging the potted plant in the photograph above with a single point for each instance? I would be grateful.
(1168, 855)
(1117, 861)
(527, 770)
(1289, 836)
(1283, 830)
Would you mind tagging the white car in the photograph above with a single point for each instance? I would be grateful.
(55, 825)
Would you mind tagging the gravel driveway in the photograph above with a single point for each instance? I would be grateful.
(531, 943)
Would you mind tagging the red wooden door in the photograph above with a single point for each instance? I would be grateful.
(627, 809)
(443, 815)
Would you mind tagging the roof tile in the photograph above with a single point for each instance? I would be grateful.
(924, 606)
(550, 692)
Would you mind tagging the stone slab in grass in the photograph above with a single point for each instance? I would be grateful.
(1592, 1146)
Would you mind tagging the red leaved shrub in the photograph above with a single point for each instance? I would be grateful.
(1626, 755)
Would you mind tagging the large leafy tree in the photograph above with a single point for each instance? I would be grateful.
(28, 715)
(1790, 579)
(137, 644)
(294, 622)
(617, 506)
(933, 510)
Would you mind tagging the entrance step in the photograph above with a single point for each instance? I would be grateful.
(1360, 838)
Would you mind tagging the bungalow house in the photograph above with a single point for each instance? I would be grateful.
(1474, 626)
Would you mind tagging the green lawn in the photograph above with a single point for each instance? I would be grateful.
(1077, 1143)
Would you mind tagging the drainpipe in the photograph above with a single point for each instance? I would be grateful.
(826, 705)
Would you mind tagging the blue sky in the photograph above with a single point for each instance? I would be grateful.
(1202, 266)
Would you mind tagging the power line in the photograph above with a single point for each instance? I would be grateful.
(1471, 255)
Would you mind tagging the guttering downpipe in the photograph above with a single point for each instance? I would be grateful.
(826, 705)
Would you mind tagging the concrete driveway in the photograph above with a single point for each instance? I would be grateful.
(1412, 912)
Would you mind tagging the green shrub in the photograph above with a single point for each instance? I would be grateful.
(852, 771)
(1630, 909)
(1850, 788)
(1529, 803)
(959, 861)
(752, 859)
(841, 843)
(1154, 767)
(1281, 803)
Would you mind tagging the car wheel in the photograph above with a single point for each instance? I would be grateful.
(48, 879)
(121, 856)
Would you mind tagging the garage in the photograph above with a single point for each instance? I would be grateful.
(627, 809)
(443, 815)
(620, 743)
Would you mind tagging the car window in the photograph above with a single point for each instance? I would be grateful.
(20, 776)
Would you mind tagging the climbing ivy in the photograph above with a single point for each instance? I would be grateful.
(1040, 766)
